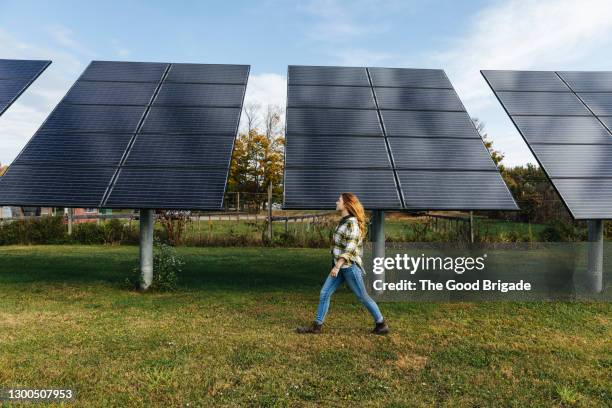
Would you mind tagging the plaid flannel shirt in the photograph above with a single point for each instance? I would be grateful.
(348, 243)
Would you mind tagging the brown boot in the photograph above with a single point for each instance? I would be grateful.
(381, 328)
(314, 328)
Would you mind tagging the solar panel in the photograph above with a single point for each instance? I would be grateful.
(15, 77)
(398, 138)
(567, 130)
(134, 135)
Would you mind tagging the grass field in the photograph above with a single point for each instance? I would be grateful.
(225, 339)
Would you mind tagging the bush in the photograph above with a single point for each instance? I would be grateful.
(116, 232)
(44, 230)
(88, 233)
(167, 266)
(561, 231)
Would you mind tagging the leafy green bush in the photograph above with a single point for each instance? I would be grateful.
(116, 232)
(44, 230)
(167, 266)
(560, 231)
(88, 233)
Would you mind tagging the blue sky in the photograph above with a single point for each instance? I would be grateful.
(460, 36)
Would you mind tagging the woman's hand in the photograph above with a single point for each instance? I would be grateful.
(334, 271)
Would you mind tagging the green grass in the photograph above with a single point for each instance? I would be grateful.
(225, 339)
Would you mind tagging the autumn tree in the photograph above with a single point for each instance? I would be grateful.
(496, 155)
(258, 156)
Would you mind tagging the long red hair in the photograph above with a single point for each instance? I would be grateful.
(354, 207)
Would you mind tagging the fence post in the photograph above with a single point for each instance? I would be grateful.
(595, 255)
(270, 212)
(472, 227)
(70, 214)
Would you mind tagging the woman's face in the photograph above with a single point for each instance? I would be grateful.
(340, 203)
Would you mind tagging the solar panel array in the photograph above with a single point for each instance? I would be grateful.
(566, 119)
(15, 77)
(398, 138)
(134, 135)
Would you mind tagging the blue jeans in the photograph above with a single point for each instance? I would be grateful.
(354, 279)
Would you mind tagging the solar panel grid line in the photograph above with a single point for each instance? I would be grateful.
(584, 103)
(59, 106)
(407, 97)
(558, 173)
(389, 153)
(220, 167)
(112, 181)
(45, 121)
(106, 158)
(524, 138)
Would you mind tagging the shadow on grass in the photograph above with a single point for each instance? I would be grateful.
(239, 269)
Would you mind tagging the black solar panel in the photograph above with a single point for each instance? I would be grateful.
(125, 136)
(410, 78)
(462, 190)
(330, 97)
(214, 95)
(543, 103)
(418, 99)
(209, 73)
(588, 81)
(366, 129)
(124, 71)
(428, 124)
(314, 188)
(176, 188)
(110, 93)
(347, 76)
(367, 152)
(599, 103)
(54, 185)
(15, 77)
(568, 131)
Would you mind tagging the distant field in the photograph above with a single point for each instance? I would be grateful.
(396, 229)
(225, 339)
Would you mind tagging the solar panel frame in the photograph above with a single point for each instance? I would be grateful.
(184, 114)
(18, 78)
(570, 170)
(320, 126)
(62, 125)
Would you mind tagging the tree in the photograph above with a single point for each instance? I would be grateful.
(496, 155)
(258, 156)
(3, 169)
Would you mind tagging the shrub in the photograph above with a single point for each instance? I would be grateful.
(115, 231)
(561, 231)
(44, 230)
(88, 233)
(167, 266)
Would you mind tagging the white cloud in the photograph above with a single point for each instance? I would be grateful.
(364, 57)
(525, 34)
(263, 90)
(528, 34)
(64, 36)
(123, 52)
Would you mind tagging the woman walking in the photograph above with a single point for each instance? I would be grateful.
(347, 265)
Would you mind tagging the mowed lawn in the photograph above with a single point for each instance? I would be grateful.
(226, 338)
